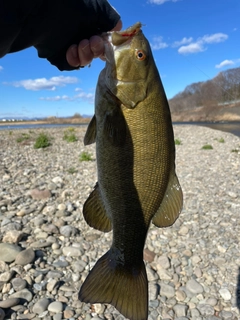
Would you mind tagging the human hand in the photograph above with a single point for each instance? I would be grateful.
(83, 53)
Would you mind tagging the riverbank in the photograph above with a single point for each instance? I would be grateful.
(192, 266)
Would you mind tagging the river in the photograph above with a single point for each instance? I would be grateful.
(232, 127)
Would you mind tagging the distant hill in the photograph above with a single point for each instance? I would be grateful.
(217, 99)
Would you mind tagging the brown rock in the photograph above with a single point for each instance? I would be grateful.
(40, 194)
(13, 236)
(148, 255)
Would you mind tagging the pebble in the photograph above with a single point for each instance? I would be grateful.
(8, 252)
(55, 307)
(225, 294)
(41, 305)
(24, 294)
(194, 287)
(25, 257)
(191, 266)
(9, 303)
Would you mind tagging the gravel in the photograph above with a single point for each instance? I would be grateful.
(47, 249)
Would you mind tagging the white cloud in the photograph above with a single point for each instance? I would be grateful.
(161, 1)
(158, 43)
(199, 45)
(1, 68)
(43, 83)
(214, 38)
(182, 42)
(191, 48)
(89, 97)
(226, 62)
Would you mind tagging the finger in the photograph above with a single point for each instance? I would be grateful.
(96, 46)
(72, 56)
(84, 52)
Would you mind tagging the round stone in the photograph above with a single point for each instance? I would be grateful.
(225, 294)
(194, 287)
(8, 303)
(41, 305)
(25, 257)
(8, 252)
(55, 307)
(19, 284)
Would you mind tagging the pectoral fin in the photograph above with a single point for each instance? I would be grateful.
(171, 205)
(115, 127)
(90, 135)
(95, 213)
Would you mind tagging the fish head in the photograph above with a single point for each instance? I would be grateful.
(128, 63)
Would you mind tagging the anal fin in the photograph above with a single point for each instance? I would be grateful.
(171, 205)
(94, 212)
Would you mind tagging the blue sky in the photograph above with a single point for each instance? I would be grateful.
(192, 40)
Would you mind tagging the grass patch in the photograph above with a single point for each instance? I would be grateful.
(23, 137)
(71, 170)
(221, 140)
(236, 150)
(207, 147)
(85, 156)
(42, 141)
(69, 135)
(177, 142)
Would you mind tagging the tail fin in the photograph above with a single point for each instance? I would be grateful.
(124, 288)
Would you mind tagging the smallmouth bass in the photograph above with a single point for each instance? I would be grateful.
(137, 182)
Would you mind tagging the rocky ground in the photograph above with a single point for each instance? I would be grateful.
(47, 249)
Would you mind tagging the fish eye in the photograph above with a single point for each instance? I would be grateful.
(140, 55)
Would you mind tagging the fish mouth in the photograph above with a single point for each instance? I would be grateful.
(117, 40)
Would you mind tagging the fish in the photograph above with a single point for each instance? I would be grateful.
(137, 181)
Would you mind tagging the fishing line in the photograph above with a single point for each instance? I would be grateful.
(215, 84)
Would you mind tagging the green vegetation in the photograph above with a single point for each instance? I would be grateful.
(236, 150)
(178, 142)
(71, 170)
(23, 137)
(207, 147)
(69, 135)
(42, 141)
(85, 156)
(221, 140)
(10, 133)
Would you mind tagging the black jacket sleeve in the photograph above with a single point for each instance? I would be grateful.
(52, 26)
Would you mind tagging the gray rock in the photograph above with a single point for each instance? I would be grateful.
(71, 252)
(205, 309)
(8, 303)
(180, 310)
(58, 316)
(194, 287)
(166, 290)
(226, 315)
(68, 231)
(41, 305)
(19, 284)
(6, 276)
(153, 291)
(163, 262)
(55, 307)
(24, 294)
(8, 252)
(25, 257)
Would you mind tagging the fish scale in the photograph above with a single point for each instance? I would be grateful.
(137, 182)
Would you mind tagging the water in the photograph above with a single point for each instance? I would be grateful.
(232, 127)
